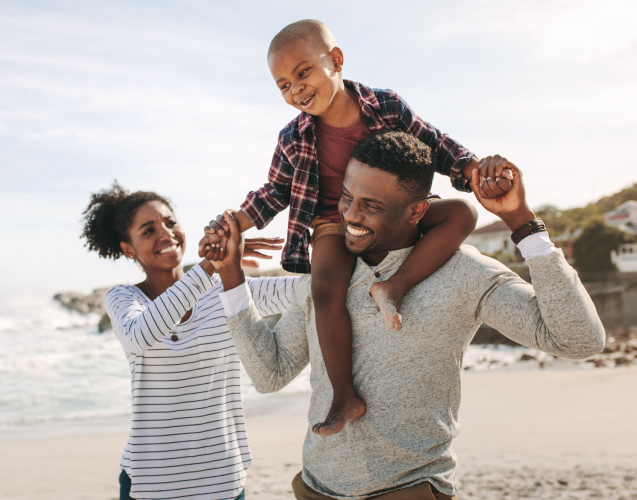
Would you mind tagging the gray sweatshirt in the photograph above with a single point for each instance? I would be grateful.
(410, 380)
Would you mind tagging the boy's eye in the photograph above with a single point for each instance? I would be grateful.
(302, 73)
(285, 86)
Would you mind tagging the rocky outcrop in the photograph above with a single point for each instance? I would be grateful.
(84, 304)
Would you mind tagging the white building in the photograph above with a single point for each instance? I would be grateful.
(492, 238)
(625, 258)
(624, 217)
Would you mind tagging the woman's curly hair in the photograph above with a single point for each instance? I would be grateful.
(110, 215)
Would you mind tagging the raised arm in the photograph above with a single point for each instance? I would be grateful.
(139, 327)
(271, 358)
(555, 313)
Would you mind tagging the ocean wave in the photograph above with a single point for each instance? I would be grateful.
(32, 315)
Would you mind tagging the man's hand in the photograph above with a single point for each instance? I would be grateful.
(495, 175)
(229, 268)
(510, 207)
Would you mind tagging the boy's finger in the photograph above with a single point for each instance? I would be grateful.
(492, 170)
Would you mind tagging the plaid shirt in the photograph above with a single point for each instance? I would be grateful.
(293, 177)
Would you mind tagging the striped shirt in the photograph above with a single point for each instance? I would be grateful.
(188, 437)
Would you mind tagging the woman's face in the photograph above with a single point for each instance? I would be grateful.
(157, 241)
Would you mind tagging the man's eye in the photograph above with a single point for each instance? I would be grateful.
(172, 223)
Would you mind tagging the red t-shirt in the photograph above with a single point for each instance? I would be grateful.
(334, 149)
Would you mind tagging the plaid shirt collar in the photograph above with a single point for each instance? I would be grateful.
(366, 100)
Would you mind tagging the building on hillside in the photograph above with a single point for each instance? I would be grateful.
(492, 238)
(625, 258)
(624, 217)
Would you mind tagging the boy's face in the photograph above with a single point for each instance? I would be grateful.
(307, 74)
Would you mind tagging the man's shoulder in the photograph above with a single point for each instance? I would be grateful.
(302, 288)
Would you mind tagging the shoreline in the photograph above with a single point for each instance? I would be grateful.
(522, 433)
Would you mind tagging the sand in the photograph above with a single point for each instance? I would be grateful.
(525, 435)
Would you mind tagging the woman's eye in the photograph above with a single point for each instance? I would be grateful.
(148, 231)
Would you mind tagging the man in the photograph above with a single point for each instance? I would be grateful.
(402, 447)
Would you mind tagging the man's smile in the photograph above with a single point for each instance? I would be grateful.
(357, 232)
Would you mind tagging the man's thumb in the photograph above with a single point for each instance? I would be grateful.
(232, 223)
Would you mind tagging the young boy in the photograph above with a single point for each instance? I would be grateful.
(306, 174)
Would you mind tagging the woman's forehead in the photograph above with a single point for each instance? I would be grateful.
(153, 210)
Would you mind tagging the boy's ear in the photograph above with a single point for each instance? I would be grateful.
(418, 210)
(337, 59)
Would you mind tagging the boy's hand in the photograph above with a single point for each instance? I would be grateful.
(496, 177)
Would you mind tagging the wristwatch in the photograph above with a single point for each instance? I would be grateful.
(531, 227)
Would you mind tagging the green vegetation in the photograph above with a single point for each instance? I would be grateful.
(591, 250)
(558, 221)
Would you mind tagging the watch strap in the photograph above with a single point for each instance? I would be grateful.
(531, 227)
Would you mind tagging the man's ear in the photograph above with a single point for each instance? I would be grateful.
(417, 211)
(337, 59)
(127, 249)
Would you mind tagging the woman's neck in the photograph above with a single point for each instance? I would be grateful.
(158, 281)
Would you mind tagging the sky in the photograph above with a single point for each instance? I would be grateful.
(176, 97)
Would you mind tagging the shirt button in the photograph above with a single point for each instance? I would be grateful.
(174, 337)
(377, 274)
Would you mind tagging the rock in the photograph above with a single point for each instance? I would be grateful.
(104, 324)
(602, 363)
(622, 360)
(562, 482)
(84, 304)
(527, 357)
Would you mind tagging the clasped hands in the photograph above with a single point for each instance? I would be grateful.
(227, 239)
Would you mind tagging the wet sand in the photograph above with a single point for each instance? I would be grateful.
(525, 435)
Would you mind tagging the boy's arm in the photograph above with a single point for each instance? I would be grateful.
(445, 226)
(452, 158)
(262, 205)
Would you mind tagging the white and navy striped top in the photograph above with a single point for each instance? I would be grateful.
(188, 437)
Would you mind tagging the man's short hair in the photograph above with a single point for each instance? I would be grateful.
(308, 29)
(402, 155)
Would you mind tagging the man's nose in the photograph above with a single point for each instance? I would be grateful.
(352, 214)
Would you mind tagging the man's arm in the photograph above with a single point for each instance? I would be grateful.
(271, 359)
(555, 313)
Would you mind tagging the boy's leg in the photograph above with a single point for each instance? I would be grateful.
(332, 267)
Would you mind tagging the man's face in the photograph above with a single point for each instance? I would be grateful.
(306, 75)
(377, 213)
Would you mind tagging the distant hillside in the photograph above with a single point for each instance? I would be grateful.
(557, 220)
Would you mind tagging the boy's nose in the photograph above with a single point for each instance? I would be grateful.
(298, 89)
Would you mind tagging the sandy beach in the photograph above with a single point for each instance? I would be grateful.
(525, 435)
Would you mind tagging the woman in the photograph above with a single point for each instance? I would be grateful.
(187, 437)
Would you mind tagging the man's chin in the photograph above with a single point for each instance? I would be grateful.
(358, 248)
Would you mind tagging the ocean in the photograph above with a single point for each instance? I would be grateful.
(55, 366)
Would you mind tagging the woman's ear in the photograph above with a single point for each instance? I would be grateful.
(418, 211)
(127, 249)
(337, 59)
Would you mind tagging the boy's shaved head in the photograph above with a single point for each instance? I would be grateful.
(308, 29)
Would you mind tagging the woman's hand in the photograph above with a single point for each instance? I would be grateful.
(253, 244)
(229, 267)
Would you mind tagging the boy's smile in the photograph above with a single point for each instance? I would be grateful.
(309, 77)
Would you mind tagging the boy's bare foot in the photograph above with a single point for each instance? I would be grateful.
(342, 411)
(389, 298)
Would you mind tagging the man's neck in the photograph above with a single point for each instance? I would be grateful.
(375, 258)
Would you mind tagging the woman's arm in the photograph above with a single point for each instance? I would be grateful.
(139, 327)
(272, 295)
